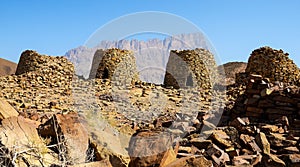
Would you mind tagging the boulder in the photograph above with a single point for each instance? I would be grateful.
(6, 110)
(271, 160)
(168, 158)
(103, 163)
(221, 139)
(103, 153)
(200, 143)
(147, 148)
(70, 135)
(191, 161)
(291, 160)
(263, 142)
(249, 141)
(20, 138)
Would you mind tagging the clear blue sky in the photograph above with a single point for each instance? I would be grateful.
(235, 27)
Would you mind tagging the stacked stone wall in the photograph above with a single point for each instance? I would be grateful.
(191, 68)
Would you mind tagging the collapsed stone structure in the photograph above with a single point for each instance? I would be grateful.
(116, 65)
(266, 101)
(273, 64)
(191, 68)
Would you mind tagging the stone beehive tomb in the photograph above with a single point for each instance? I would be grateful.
(116, 65)
(49, 70)
(273, 64)
(191, 68)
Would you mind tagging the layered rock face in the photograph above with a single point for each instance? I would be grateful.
(191, 68)
(116, 65)
(273, 64)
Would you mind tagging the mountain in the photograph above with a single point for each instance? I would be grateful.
(151, 55)
(232, 68)
(7, 67)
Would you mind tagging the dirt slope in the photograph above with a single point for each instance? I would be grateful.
(7, 67)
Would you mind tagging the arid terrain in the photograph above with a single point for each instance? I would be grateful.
(7, 67)
(231, 69)
(52, 117)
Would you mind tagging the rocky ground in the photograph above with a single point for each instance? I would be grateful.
(50, 117)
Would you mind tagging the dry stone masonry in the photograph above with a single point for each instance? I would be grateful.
(53, 71)
(191, 68)
(116, 65)
(273, 64)
(41, 84)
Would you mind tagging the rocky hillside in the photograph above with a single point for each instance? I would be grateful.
(50, 117)
(231, 69)
(152, 54)
(7, 67)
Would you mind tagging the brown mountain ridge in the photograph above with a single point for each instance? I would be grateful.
(231, 69)
(7, 67)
